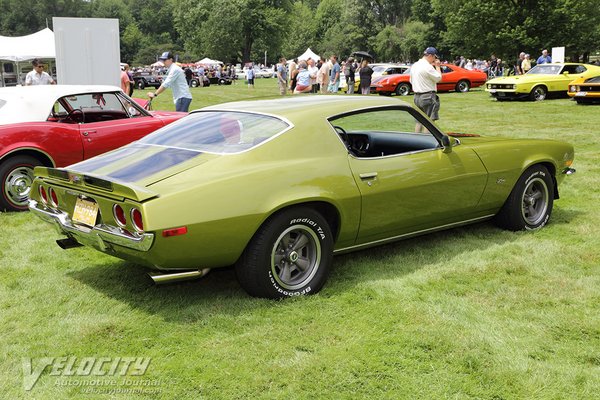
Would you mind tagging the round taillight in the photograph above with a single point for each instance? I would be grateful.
(43, 194)
(119, 215)
(136, 220)
(53, 197)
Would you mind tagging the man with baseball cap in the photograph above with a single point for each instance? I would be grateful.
(176, 81)
(424, 76)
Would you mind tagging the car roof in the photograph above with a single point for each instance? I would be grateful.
(34, 103)
(304, 109)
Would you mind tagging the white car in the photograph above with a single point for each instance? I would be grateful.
(378, 71)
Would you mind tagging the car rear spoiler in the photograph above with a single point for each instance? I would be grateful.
(95, 184)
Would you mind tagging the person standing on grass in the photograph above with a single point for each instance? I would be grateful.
(176, 81)
(424, 76)
(544, 58)
(282, 76)
(125, 85)
(334, 75)
(250, 76)
(323, 75)
(365, 72)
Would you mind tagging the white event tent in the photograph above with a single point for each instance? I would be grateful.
(309, 54)
(208, 61)
(23, 48)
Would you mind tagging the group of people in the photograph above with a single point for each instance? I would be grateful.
(321, 76)
(497, 67)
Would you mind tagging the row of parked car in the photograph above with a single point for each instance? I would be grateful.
(578, 80)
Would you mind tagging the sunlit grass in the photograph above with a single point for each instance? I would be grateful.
(474, 312)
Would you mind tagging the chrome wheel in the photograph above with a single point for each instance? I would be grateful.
(462, 86)
(538, 93)
(18, 184)
(295, 257)
(535, 201)
(403, 89)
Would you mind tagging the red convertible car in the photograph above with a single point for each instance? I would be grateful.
(58, 125)
(453, 78)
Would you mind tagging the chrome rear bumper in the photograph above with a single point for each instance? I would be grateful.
(100, 236)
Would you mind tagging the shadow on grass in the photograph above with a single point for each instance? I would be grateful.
(219, 292)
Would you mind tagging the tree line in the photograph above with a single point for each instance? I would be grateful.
(392, 30)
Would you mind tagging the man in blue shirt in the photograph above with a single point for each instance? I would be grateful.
(176, 81)
(334, 75)
(544, 58)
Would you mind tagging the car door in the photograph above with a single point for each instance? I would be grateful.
(567, 74)
(449, 78)
(413, 188)
(109, 121)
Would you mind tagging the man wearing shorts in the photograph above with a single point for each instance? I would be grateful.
(424, 76)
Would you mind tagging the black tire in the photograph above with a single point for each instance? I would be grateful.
(140, 84)
(463, 86)
(529, 204)
(403, 89)
(16, 176)
(272, 263)
(538, 93)
(194, 83)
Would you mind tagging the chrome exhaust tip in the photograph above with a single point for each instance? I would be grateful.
(68, 243)
(161, 278)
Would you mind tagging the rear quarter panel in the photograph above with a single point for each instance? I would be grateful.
(223, 202)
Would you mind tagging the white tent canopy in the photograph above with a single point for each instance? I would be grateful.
(309, 54)
(22, 48)
(208, 61)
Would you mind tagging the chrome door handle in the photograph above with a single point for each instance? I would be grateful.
(368, 175)
(86, 133)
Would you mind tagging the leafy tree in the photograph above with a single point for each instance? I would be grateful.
(229, 30)
(301, 31)
(388, 43)
(132, 41)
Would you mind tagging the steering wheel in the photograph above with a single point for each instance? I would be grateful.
(343, 134)
(71, 115)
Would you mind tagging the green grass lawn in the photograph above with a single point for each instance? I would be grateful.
(469, 313)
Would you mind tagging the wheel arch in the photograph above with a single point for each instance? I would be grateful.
(326, 209)
(38, 154)
(552, 169)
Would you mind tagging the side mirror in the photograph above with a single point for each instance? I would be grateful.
(448, 142)
(566, 73)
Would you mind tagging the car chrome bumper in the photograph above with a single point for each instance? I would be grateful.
(569, 171)
(100, 236)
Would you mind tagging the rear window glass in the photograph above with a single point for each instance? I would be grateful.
(217, 131)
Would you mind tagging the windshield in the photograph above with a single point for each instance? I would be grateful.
(595, 79)
(545, 69)
(217, 131)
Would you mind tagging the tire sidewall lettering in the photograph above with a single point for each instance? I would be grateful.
(312, 224)
(288, 293)
(535, 174)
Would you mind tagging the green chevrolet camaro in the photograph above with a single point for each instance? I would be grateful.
(276, 187)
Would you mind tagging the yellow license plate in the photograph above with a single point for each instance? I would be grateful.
(85, 212)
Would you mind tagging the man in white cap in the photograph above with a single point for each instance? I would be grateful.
(424, 76)
(176, 81)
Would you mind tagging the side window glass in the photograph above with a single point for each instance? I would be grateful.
(133, 109)
(95, 107)
(383, 133)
